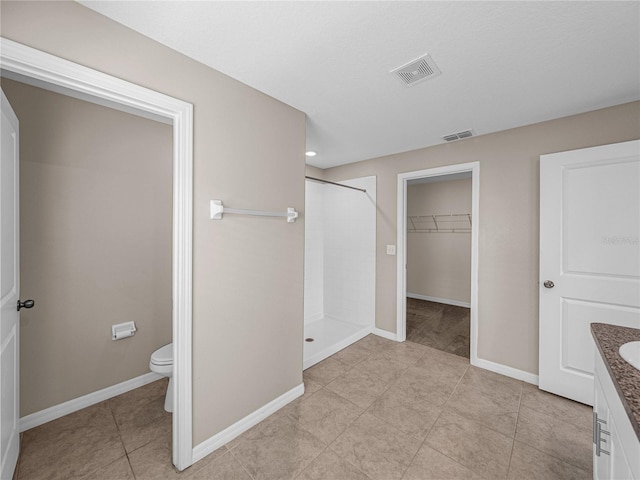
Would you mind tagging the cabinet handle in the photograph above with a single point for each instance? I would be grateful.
(597, 435)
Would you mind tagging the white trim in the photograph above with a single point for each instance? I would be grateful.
(54, 73)
(385, 334)
(507, 371)
(225, 436)
(48, 414)
(336, 347)
(401, 241)
(446, 301)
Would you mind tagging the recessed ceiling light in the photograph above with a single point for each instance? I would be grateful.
(310, 153)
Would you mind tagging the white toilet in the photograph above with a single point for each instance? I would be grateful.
(162, 363)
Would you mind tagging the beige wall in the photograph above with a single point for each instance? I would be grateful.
(248, 152)
(315, 172)
(439, 264)
(508, 223)
(95, 231)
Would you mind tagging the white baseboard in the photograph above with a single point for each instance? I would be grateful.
(505, 370)
(384, 334)
(456, 303)
(48, 414)
(225, 436)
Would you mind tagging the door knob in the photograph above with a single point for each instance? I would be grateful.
(26, 304)
(549, 284)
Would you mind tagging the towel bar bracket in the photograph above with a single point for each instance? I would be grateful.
(217, 209)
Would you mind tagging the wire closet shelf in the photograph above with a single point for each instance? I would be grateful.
(442, 223)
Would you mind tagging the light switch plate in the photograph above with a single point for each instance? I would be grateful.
(391, 249)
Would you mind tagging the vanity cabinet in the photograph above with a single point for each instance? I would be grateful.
(616, 447)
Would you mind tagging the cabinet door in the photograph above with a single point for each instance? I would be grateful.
(619, 462)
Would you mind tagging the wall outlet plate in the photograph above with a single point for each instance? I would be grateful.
(391, 249)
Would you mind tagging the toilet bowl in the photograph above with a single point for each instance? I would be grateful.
(162, 363)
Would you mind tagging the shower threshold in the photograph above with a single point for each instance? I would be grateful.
(329, 336)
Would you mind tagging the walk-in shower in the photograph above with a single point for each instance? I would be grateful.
(340, 265)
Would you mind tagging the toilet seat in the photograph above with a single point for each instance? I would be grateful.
(163, 356)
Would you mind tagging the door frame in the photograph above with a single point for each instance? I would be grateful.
(403, 179)
(47, 71)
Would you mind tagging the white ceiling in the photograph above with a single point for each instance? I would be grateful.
(504, 64)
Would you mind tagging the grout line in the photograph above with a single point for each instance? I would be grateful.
(130, 466)
(230, 451)
(563, 460)
(513, 444)
(424, 442)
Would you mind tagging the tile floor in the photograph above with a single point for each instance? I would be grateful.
(377, 410)
(445, 327)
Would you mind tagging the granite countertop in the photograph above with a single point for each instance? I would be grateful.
(609, 339)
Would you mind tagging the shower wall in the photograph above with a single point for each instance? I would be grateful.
(313, 251)
(340, 252)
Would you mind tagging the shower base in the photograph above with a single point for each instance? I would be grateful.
(329, 336)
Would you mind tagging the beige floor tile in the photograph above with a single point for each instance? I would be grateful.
(325, 371)
(278, 448)
(438, 357)
(529, 463)
(360, 386)
(407, 353)
(118, 470)
(354, 354)
(143, 424)
(223, 467)
(488, 399)
(98, 416)
(153, 461)
(386, 368)
(376, 448)
(406, 410)
(433, 381)
(140, 396)
(555, 437)
(563, 408)
(310, 387)
(271, 418)
(429, 464)
(325, 414)
(470, 443)
(405, 387)
(375, 342)
(329, 466)
(71, 446)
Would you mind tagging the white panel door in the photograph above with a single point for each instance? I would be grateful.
(9, 293)
(589, 258)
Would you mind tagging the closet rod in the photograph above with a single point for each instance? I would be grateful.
(334, 183)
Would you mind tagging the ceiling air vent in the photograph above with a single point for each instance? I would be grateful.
(458, 136)
(417, 70)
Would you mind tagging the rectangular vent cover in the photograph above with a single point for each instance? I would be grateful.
(417, 70)
(458, 136)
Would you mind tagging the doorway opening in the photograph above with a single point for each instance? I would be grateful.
(438, 254)
(451, 295)
(40, 69)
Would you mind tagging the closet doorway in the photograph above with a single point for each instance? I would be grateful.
(439, 262)
(437, 258)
